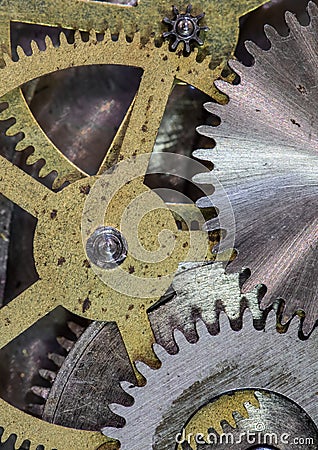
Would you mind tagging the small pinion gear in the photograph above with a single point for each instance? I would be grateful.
(185, 28)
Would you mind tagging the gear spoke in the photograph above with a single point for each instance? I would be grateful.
(148, 109)
(24, 311)
(113, 151)
(137, 325)
(21, 188)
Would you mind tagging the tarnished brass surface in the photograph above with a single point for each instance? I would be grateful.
(146, 19)
(60, 213)
(65, 278)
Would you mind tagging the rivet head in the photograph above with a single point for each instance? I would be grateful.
(185, 27)
(106, 248)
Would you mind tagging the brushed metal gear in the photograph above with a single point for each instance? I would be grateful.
(209, 368)
(266, 158)
(81, 389)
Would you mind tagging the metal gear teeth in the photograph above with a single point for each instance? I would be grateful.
(221, 296)
(287, 309)
(53, 164)
(26, 125)
(25, 134)
(43, 392)
(178, 376)
(11, 443)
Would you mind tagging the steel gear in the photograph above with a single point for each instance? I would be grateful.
(83, 381)
(185, 29)
(147, 18)
(230, 361)
(266, 157)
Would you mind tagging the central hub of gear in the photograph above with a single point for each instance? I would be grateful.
(111, 222)
(106, 248)
(185, 27)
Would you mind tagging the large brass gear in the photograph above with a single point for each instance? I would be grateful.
(146, 18)
(149, 56)
(59, 214)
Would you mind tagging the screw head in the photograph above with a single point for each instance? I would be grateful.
(185, 27)
(106, 248)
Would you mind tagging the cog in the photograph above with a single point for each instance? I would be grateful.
(266, 158)
(147, 18)
(185, 28)
(201, 372)
(79, 382)
(60, 258)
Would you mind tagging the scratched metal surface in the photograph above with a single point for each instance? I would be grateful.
(266, 158)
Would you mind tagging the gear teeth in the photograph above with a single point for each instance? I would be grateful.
(50, 375)
(63, 39)
(312, 10)
(57, 359)
(5, 115)
(13, 130)
(7, 59)
(126, 386)
(292, 22)
(118, 409)
(43, 172)
(20, 52)
(65, 343)
(214, 108)
(76, 329)
(20, 146)
(159, 351)
(32, 158)
(47, 375)
(201, 329)
(122, 37)
(12, 441)
(236, 66)
(226, 88)
(34, 47)
(179, 339)
(107, 36)
(41, 391)
(175, 367)
(145, 370)
(253, 49)
(271, 33)
(48, 42)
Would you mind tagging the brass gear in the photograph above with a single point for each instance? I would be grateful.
(149, 57)
(146, 18)
(70, 274)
